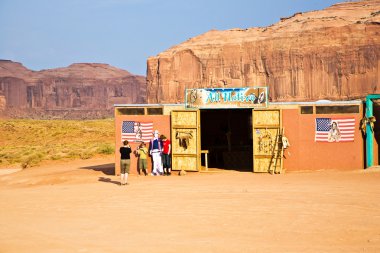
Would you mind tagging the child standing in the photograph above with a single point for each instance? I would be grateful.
(142, 152)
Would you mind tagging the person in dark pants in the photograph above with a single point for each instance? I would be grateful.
(125, 162)
(166, 150)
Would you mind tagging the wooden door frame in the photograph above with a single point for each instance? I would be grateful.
(254, 127)
(198, 140)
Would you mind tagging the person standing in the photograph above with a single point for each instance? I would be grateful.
(166, 150)
(155, 150)
(142, 152)
(125, 162)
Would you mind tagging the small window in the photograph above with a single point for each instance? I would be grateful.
(307, 110)
(155, 111)
(335, 109)
(130, 111)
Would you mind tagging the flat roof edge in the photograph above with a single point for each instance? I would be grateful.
(319, 102)
(145, 105)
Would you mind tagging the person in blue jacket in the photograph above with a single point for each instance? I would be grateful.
(155, 150)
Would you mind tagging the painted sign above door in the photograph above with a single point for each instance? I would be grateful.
(247, 97)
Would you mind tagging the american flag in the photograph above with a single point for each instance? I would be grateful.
(134, 131)
(346, 128)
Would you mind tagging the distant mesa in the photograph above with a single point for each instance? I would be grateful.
(81, 90)
(331, 54)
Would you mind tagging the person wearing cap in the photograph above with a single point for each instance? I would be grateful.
(155, 150)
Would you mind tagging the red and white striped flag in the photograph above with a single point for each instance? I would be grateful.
(334, 129)
(134, 131)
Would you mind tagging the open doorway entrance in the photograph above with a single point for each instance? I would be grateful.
(227, 135)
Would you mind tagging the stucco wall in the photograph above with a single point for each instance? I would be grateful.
(306, 154)
(160, 122)
(303, 154)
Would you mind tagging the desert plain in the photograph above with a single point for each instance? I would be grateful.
(78, 206)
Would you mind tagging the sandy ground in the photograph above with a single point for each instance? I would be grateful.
(79, 207)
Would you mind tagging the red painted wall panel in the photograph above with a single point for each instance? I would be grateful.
(160, 122)
(306, 154)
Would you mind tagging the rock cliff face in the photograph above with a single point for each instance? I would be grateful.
(329, 54)
(83, 90)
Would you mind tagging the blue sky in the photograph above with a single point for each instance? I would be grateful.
(45, 34)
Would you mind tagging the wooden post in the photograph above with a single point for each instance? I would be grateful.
(206, 158)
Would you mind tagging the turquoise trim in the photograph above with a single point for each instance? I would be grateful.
(369, 133)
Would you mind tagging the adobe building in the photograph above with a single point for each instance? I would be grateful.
(238, 129)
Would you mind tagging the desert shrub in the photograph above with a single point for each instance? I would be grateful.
(72, 154)
(28, 152)
(106, 149)
(32, 160)
(86, 155)
(10, 157)
(55, 157)
(8, 126)
(65, 150)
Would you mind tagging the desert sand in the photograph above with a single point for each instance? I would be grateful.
(78, 206)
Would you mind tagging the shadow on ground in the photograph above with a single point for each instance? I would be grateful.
(108, 180)
(107, 169)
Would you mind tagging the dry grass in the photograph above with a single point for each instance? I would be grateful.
(29, 142)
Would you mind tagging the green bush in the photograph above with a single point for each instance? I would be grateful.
(86, 155)
(55, 157)
(32, 160)
(72, 154)
(106, 149)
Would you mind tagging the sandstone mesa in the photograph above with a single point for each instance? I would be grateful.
(81, 90)
(327, 54)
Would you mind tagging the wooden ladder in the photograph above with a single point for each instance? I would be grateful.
(277, 154)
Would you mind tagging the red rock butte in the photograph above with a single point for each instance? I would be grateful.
(81, 90)
(327, 54)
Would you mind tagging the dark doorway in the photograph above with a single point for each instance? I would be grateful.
(227, 135)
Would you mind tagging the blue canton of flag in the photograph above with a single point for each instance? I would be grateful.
(323, 124)
(128, 127)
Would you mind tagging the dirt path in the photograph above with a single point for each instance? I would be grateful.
(79, 207)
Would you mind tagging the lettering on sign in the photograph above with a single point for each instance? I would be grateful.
(253, 97)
